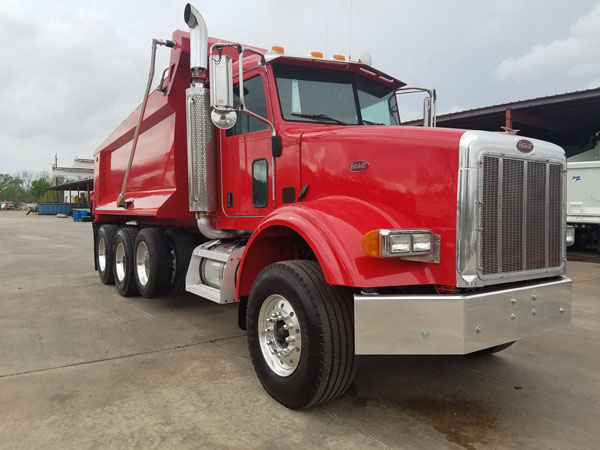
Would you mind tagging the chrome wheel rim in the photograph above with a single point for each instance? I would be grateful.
(120, 261)
(102, 254)
(279, 335)
(142, 257)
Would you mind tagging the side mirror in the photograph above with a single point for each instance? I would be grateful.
(221, 91)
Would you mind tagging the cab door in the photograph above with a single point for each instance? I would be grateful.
(246, 154)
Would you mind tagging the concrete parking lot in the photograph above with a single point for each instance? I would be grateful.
(83, 368)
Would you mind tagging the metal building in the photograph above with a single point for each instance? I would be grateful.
(571, 120)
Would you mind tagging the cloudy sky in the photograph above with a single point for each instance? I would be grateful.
(70, 71)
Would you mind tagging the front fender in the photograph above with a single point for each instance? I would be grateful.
(333, 228)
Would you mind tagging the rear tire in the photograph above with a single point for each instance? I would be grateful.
(152, 263)
(124, 266)
(180, 245)
(318, 364)
(490, 350)
(104, 253)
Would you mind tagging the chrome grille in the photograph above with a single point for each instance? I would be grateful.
(521, 204)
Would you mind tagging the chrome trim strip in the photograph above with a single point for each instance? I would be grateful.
(547, 216)
(499, 218)
(524, 228)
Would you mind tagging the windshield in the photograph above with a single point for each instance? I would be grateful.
(308, 94)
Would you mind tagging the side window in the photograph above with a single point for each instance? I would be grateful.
(260, 184)
(254, 98)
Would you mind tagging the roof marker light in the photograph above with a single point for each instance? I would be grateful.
(338, 57)
(278, 49)
(316, 54)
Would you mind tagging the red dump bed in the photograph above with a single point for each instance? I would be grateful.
(157, 185)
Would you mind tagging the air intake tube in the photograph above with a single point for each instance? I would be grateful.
(198, 40)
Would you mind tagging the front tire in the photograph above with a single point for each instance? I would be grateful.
(300, 334)
(152, 263)
(104, 253)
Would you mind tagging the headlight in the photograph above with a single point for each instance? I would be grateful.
(385, 243)
(570, 238)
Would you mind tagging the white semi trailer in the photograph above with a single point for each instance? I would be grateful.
(583, 197)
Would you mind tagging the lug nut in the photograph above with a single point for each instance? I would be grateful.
(533, 297)
(513, 316)
(562, 309)
(290, 339)
(477, 329)
(285, 327)
(533, 312)
(513, 300)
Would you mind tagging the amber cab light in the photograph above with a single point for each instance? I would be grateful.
(277, 49)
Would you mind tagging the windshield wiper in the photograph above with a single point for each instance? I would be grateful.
(320, 116)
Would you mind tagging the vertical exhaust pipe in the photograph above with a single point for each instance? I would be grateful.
(198, 40)
(201, 151)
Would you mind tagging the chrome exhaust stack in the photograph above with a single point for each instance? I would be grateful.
(201, 149)
(198, 40)
(201, 152)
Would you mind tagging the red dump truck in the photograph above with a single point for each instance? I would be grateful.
(287, 184)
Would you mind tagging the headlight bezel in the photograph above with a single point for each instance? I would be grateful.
(380, 243)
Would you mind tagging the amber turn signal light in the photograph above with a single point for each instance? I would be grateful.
(370, 243)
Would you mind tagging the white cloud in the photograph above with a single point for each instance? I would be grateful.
(578, 55)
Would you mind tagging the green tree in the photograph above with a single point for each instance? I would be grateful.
(11, 188)
(38, 187)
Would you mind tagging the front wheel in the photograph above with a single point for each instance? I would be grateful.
(300, 334)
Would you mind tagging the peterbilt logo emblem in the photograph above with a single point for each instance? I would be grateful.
(525, 146)
(358, 166)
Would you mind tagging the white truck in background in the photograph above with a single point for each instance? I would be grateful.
(583, 197)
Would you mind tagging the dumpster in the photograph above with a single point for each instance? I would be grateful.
(54, 208)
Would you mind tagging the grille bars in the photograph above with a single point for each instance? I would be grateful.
(520, 205)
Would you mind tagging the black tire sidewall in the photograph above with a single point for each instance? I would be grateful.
(183, 244)
(159, 263)
(127, 287)
(106, 233)
(296, 390)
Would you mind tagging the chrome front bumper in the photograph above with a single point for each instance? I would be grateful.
(457, 324)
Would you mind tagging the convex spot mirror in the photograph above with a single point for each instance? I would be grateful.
(221, 91)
